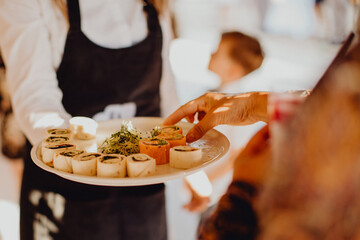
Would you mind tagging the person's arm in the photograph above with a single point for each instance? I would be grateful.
(31, 76)
(214, 109)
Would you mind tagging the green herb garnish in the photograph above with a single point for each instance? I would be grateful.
(156, 131)
(122, 142)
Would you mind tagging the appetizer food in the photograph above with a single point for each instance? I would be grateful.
(156, 148)
(185, 157)
(52, 140)
(59, 132)
(140, 165)
(166, 129)
(63, 159)
(111, 165)
(50, 149)
(127, 152)
(174, 139)
(56, 139)
(85, 164)
(124, 142)
(83, 128)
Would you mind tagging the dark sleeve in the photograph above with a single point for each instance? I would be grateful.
(234, 217)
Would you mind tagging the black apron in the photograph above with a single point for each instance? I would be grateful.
(91, 78)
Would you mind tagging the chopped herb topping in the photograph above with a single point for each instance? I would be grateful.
(186, 149)
(171, 136)
(165, 129)
(58, 131)
(89, 156)
(140, 157)
(71, 153)
(111, 159)
(156, 131)
(57, 139)
(108, 157)
(171, 127)
(156, 142)
(61, 146)
(124, 141)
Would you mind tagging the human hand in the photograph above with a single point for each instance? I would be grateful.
(214, 109)
(200, 188)
(198, 203)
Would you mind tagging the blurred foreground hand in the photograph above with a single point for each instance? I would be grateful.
(201, 189)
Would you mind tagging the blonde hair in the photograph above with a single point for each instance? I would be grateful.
(244, 50)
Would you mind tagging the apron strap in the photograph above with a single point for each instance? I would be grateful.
(152, 19)
(74, 14)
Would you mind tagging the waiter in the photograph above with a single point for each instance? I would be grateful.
(100, 59)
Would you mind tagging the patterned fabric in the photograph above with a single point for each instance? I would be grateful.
(234, 217)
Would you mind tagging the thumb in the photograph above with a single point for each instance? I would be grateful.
(199, 130)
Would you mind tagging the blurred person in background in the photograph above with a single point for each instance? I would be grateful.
(95, 59)
(299, 180)
(12, 139)
(238, 219)
(237, 62)
(319, 167)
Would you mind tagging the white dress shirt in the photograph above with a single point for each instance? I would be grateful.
(32, 40)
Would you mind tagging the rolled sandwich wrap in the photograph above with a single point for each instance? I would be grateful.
(63, 159)
(185, 157)
(85, 164)
(166, 129)
(155, 148)
(65, 132)
(171, 129)
(50, 149)
(140, 165)
(56, 139)
(111, 165)
(174, 139)
(53, 139)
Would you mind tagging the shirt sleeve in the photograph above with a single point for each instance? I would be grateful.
(169, 97)
(31, 76)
